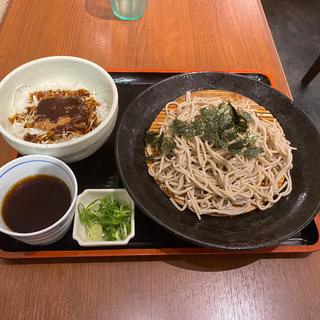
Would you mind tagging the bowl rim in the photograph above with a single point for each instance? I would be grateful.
(92, 243)
(61, 164)
(104, 122)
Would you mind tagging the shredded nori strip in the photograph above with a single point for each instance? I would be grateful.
(163, 145)
(221, 127)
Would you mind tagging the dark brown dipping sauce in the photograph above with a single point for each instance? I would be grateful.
(35, 203)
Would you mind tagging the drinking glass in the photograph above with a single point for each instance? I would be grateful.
(128, 9)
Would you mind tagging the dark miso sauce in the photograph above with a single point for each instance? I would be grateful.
(54, 108)
(35, 203)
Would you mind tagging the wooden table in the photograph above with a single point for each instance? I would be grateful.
(173, 35)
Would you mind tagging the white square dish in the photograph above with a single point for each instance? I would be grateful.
(89, 195)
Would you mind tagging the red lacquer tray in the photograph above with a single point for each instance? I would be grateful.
(99, 171)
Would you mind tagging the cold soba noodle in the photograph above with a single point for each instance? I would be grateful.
(219, 158)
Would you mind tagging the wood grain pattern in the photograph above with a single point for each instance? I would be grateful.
(173, 35)
(220, 288)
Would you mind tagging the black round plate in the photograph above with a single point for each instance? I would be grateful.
(253, 230)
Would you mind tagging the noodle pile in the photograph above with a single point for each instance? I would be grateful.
(211, 181)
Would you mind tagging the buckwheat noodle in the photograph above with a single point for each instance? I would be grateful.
(211, 181)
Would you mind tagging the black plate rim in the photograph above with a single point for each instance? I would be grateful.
(179, 234)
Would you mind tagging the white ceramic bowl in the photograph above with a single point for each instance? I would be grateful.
(26, 166)
(59, 72)
(87, 196)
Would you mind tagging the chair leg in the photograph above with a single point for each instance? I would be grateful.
(312, 72)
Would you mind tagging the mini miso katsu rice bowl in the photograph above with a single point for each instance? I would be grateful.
(59, 106)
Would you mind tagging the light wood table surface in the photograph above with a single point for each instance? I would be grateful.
(218, 35)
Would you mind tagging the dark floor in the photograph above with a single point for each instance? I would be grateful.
(295, 26)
